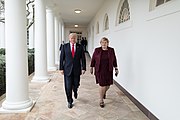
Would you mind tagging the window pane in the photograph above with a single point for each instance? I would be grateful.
(107, 24)
(124, 12)
(97, 27)
(168, 0)
(159, 2)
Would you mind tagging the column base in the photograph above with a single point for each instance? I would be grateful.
(43, 79)
(21, 107)
(52, 68)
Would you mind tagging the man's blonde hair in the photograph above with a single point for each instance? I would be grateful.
(73, 34)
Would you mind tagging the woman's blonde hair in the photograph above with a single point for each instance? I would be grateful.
(105, 39)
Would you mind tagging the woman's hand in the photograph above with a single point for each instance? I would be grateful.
(116, 71)
(91, 70)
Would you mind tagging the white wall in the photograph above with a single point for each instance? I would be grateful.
(80, 29)
(148, 53)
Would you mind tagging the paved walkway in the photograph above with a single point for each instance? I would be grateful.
(51, 102)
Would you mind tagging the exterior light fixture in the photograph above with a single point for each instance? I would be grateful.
(77, 10)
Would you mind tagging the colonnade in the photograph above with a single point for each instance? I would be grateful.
(48, 34)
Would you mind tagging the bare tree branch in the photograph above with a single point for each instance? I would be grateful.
(2, 20)
(28, 13)
(1, 11)
(28, 5)
(32, 22)
(29, 2)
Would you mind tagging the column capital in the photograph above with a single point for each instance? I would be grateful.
(50, 8)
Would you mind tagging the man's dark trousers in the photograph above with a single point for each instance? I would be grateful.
(71, 83)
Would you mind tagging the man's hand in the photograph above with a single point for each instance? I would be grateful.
(83, 71)
(61, 72)
(91, 70)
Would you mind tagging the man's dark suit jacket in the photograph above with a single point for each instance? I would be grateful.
(70, 64)
(96, 59)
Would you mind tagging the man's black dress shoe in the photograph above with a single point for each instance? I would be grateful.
(70, 105)
(75, 95)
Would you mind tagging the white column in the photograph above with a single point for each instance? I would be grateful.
(63, 39)
(56, 40)
(60, 33)
(17, 88)
(2, 35)
(31, 36)
(50, 40)
(41, 74)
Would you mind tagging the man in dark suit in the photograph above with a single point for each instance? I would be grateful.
(72, 65)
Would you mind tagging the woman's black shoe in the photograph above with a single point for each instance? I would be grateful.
(101, 104)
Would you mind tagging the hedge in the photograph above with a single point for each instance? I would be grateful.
(2, 74)
(3, 68)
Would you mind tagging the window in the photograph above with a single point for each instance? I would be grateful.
(97, 28)
(161, 8)
(159, 2)
(106, 22)
(123, 18)
(124, 13)
(156, 3)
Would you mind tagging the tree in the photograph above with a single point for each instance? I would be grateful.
(29, 12)
(2, 11)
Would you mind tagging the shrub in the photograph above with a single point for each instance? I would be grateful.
(3, 68)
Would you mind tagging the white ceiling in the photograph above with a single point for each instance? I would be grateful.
(65, 8)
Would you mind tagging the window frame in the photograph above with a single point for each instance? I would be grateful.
(153, 4)
(106, 22)
(124, 25)
(97, 27)
(165, 9)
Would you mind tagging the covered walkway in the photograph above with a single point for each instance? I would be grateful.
(51, 102)
(145, 37)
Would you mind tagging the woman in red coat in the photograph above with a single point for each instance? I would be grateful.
(103, 60)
